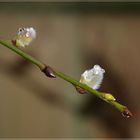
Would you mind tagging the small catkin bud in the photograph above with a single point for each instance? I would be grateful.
(109, 97)
(80, 90)
(49, 72)
(24, 37)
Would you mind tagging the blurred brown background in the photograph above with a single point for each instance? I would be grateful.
(71, 37)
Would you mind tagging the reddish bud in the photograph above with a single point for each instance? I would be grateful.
(80, 90)
(126, 113)
(13, 42)
(49, 72)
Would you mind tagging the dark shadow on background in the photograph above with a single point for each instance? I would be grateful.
(19, 70)
(71, 7)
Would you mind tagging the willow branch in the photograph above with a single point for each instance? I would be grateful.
(50, 72)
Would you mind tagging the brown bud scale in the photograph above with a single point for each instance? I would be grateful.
(80, 90)
(13, 42)
(49, 72)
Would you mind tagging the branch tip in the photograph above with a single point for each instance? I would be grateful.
(126, 113)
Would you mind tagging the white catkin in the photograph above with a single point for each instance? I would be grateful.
(93, 77)
(25, 36)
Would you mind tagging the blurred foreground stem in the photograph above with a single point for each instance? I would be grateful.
(52, 73)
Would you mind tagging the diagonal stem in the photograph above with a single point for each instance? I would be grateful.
(52, 73)
(23, 54)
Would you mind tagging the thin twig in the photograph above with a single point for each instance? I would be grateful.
(50, 72)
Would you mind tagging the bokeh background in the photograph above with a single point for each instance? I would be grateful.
(71, 37)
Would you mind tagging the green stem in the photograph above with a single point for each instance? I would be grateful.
(90, 90)
(67, 78)
(23, 54)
